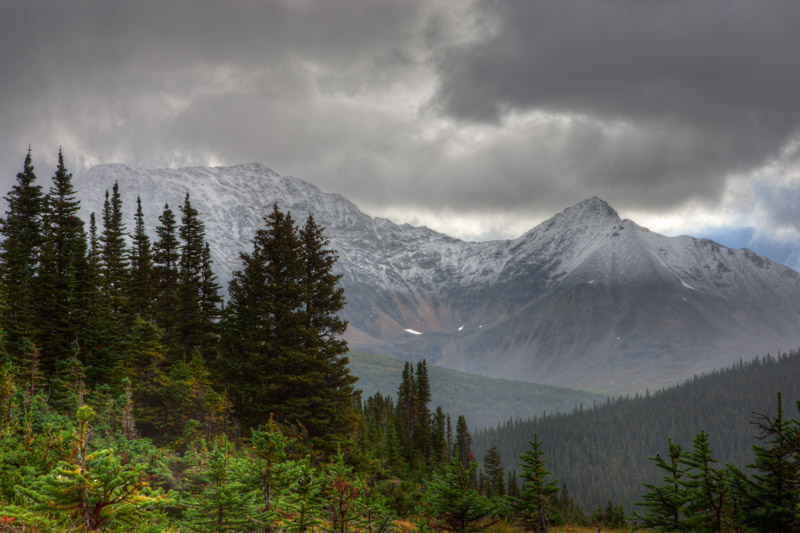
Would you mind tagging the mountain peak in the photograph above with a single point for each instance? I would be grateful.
(253, 167)
(593, 207)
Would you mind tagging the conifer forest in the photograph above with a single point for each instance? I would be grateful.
(133, 398)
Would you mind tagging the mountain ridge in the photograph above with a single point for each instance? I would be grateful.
(584, 299)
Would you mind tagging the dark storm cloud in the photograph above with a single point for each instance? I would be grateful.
(496, 109)
(712, 85)
(153, 83)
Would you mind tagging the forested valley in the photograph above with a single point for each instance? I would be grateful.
(133, 399)
(603, 452)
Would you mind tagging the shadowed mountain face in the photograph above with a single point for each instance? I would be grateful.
(584, 299)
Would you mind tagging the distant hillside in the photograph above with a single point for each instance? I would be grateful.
(484, 402)
(602, 453)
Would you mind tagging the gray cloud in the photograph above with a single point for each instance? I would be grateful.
(710, 85)
(492, 108)
(155, 83)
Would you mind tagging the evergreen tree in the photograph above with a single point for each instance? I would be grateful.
(103, 331)
(449, 439)
(463, 444)
(223, 502)
(19, 255)
(190, 326)
(407, 408)
(113, 259)
(322, 329)
(108, 302)
(269, 452)
(284, 354)
(439, 436)
(145, 367)
(96, 492)
(342, 492)
(302, 505)
(666, 505)
(706, 488)
(166, 255)
(512, 487)
(535, 503)
(455, 505)
(93, 272)
(422, 396)
(142, 287)
(495, 475)
(771, 499)
(210, 300)
(62, 289)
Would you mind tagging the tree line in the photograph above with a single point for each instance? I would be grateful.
(600, 451)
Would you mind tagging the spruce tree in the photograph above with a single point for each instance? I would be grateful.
(283, 350)
(322, 330)
(302, 504)
(707, 489)
(342, 490)
(463, 443)
(63, 282)
(438, 436)
(422, 430)
(19, 255)
(141, 288)
(495, 475)
(407, 408)
(535, 503)
(269, 447)
(454, 503)
(113, 258)
(166, 254)
(666, 505)
(771, 499)
(223, 502)
(190, 324)
(210, 300)
(108, 302)
(512, 487)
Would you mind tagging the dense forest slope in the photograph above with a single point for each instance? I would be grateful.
(484, 402)
(601, 452)
(584, 299)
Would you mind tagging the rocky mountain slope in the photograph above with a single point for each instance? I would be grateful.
(584, 299)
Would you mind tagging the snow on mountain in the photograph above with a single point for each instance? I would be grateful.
(584, 299)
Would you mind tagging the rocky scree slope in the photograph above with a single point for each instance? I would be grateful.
(584, 299)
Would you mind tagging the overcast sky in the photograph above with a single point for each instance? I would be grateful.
(476, 118)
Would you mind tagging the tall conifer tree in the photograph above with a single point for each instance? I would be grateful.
(113, 259)
(141, 287)
(422, 433)
(535, 503)
(192, 234)
(495, 475)
(771, 499)
(463, 442)
(210, 300)
(166, 255)
(20, 249)
(64, 272)
(282, 331)
(666, 504)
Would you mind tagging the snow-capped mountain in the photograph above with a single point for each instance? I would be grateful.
(584, 299)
